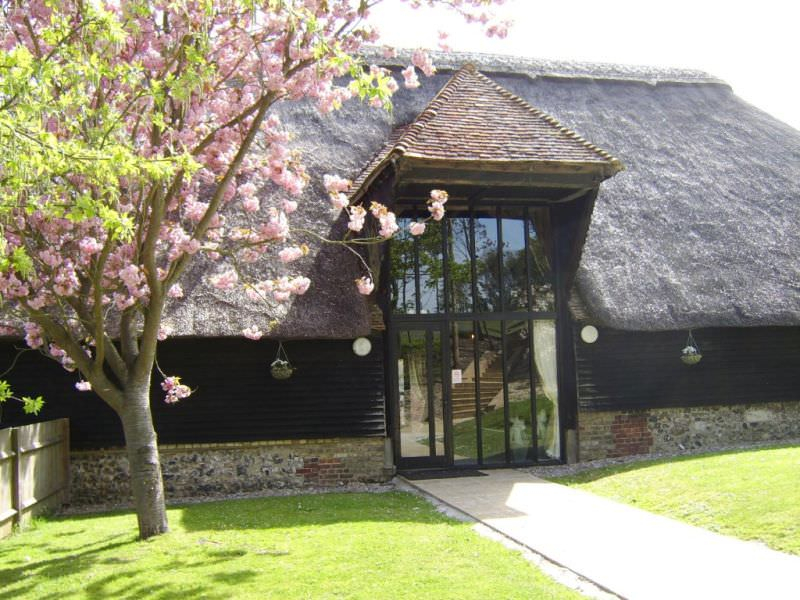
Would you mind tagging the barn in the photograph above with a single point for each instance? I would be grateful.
(618, 272)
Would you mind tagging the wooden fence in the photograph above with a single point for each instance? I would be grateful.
(34, 471)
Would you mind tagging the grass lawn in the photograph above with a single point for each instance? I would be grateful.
(372, 546)
(752, 494)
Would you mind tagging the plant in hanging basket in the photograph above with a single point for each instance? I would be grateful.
(690, 355)
(281, 369)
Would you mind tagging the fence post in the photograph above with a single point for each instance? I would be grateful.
(16, 484)
(66, 462)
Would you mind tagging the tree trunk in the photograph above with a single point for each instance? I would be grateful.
(145, 468)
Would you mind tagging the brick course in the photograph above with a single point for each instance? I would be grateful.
(610, 434)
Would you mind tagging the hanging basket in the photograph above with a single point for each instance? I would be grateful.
(281, 368)
(691, 359)
(691, 355)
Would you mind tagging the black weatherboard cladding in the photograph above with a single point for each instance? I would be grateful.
(631, 369)
(333, 393)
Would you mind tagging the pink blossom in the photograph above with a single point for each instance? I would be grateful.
(194, 211)
(89, 246)
(339, 201)
(292, 253)
(61, 355)
(83, 386)
(442, 43)
(39, 301)
(247, 190)
(417, 228)
(131, 276)
(34, 336)
(65, 282)
(289, 206)
(251, 204)
(365, 285)
(423, 62)
(175, 291)
(377, 209)
(225, 281)
(258, 291)
(439, 196)
(49, 257)
(334, 184)
(251, 255)
(281, 296)
(252, 333)
(122, 302)
(164, 332)
(388, 225)
(277, 228)
(498, 30)
(437, 210)
(299, 285)
(357, 216)
(175, 390)
(410, 79)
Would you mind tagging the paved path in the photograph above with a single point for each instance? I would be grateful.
(633, 553)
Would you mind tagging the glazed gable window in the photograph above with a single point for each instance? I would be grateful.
(476, 260)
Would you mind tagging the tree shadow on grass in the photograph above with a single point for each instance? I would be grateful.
(81, 558)
(188, 563)
(145, 581)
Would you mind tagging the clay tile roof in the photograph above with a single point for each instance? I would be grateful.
(474, 119)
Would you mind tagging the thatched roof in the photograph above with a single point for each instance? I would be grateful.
(700, 230)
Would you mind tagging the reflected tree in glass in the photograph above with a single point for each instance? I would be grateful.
(540, 260)
(459, 244)
(403, 292)
(486, 265)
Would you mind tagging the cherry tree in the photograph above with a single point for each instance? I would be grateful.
(127, 129)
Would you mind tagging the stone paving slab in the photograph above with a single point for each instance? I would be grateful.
(631, 552)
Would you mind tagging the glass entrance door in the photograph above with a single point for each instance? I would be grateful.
(420, 392)
(475, 393)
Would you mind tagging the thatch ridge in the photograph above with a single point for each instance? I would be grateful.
(506, 64)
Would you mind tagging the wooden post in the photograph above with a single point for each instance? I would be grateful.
(16, 484)
(65, 469)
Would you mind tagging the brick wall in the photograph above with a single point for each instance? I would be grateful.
(607, 434)
(217, 469)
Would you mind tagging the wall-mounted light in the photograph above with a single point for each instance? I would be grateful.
(589, 334)
(361, 346)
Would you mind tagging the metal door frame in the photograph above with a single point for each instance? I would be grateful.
(429, 327)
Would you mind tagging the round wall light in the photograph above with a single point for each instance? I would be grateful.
(361, 346)
(589, 334)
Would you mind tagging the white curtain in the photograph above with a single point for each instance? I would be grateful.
(544, 344)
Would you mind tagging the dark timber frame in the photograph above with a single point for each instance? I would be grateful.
(569, 220)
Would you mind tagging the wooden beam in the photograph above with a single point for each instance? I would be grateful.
(415, 192)
(435, 177)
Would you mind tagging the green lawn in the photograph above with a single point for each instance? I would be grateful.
(752, 495)
(371, 546)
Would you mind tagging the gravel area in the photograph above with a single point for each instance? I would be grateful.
(374, 488)
(574, 469)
